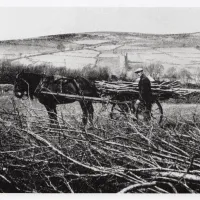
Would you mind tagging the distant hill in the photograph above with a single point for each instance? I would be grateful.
(107, 49)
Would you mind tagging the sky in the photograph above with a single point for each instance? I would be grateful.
(27, 22)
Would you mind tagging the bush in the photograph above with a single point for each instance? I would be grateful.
(8, 71)
(93, 74)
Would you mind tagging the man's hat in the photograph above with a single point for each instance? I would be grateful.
(138, 70)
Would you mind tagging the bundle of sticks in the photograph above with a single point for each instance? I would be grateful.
(163, 90)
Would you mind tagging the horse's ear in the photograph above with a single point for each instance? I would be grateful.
(19, 74)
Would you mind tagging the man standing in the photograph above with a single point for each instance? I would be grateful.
(145, 93)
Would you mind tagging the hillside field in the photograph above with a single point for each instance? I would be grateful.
(106, 50)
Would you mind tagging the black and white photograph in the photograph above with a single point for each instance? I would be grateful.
(100, 100)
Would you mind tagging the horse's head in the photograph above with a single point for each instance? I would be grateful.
(26, 84)
(21, 85)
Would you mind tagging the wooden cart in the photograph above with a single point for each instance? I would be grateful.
(126, 94)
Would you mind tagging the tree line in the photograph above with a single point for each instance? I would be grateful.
(8, 71)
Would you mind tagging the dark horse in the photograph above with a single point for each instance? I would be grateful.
(32, 85)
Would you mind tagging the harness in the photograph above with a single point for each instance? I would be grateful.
(57, 82)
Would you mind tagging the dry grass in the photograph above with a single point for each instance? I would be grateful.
(112, 156)
(181, 111)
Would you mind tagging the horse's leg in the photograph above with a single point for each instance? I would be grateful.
(90, 112)
(85, 112)
(52, 114)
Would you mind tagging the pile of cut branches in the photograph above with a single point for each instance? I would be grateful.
(163, 90)
(113, 156)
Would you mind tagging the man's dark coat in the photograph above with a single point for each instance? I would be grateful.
(145, 93)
